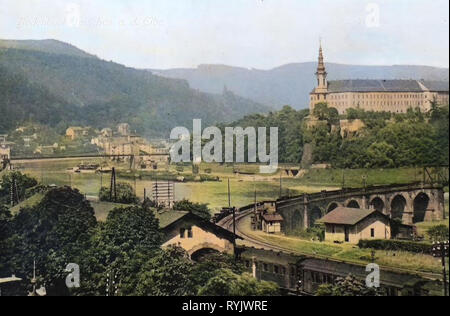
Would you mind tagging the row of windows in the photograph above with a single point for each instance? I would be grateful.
(377, 96)
(322, 278)
(272, 268)
(405, 103)
(189, 232)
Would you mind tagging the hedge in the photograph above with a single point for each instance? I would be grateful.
(396, 245)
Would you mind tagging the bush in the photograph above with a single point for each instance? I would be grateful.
(198, 209)
(396, 245)
(438, 233)
(125, 194)
(317, 232)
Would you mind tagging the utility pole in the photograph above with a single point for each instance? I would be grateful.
(281, 187)
(364, 177)
(229, 194)
(255, 198)
(440, 250)
(113, 188)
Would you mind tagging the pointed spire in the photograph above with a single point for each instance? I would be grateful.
(321, 65)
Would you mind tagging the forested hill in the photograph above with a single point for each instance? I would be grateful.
(47, 46)
(291, 83)
(387, 140)
(58, 84)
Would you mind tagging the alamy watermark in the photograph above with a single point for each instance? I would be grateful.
(73, 278)
(212, 151)
(373, 278)
(373, 15)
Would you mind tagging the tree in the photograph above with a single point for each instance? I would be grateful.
(325, 113)
(348, 286)
(198, 209)
(228, 283)
(54, 233)
(122, 246)
(379, 155)
(207, 267)
(5, 234)
(132, 227)
(23, 182)
(125, 194)
(167, 274)
(438, 233)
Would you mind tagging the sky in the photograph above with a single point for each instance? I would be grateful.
(260, 34)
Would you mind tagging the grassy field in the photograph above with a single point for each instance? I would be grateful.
(243, 186)
(214, 193)
(102, 209)
(347, 252)
(35, 199)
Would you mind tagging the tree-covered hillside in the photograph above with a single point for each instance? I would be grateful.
(52, 87)
(291, 83)
(387, 140)
(20, 101)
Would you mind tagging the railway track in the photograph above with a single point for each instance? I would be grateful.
(227, 223)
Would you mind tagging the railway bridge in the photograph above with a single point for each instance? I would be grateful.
(412, 203)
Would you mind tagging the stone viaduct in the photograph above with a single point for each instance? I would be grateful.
(412, 203)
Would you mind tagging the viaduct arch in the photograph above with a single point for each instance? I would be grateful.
(412, 203)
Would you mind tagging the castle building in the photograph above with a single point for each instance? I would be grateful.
(395, 96)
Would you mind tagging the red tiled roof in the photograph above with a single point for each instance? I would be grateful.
(347, 216)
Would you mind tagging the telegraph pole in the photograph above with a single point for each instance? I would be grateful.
(229, 194)
(281, 187)
(440, 250)
(113, 188)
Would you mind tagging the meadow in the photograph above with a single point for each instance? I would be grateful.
(244, 180)
(400, 260)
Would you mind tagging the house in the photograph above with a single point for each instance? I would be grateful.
(194, 234)
(123, 129)
(106, 132)
(351, 225)
(3, 138)
(76, 132)
(45, 150)
(271, 223)
(5, 152)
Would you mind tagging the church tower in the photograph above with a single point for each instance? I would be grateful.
(321, 73)
(320, 92)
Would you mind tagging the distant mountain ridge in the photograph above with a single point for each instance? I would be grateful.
(56, 83)
(46, 46)
(290, 84)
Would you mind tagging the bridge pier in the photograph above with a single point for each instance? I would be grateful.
(305, 213)
(410, 202)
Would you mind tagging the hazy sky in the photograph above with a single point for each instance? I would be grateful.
(248, 33)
